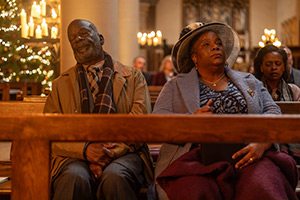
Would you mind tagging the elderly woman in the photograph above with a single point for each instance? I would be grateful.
(271, 68)
(206, 84)
(166, 72)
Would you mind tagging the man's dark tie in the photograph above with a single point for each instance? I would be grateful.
(94, 80)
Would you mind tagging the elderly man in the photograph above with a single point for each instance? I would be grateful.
(293, 73)
(140, 63)
(98, 84)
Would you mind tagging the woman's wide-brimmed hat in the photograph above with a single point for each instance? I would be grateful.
(181, 51)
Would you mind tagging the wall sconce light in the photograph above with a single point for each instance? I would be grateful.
(269, 37)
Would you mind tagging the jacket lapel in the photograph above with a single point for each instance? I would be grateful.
(73, 77)
(119, 80)
(188, 85)
(246, 84)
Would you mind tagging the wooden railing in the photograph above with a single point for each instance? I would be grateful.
(32, 134)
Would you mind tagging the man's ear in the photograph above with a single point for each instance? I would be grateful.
(101, 39)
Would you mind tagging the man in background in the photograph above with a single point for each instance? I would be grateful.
(140, 63)
(294, 74)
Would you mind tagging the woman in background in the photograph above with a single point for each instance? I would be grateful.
(166, 72)
(270, 66)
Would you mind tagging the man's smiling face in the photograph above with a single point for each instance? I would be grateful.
(86, 42)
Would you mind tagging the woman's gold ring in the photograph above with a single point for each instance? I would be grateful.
(251, 159)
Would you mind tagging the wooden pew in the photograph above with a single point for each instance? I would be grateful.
(154, 92)
(31, 136)
(35, 105)
(30, 106)
(289, 107)
(35, 88)
(21, 107)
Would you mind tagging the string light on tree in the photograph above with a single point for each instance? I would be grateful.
(19, 62)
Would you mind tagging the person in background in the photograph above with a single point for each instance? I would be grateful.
(140, 62)
(98, 84)
(271, 68)
(251, 69)
(166, 72)
(206, 84)
(294, 74)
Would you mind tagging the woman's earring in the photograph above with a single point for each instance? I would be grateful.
(196, 66)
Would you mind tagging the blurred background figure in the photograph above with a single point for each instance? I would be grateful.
(140, 62)
(294, 74)
(251, 69)
(271, 67)
(166, 72)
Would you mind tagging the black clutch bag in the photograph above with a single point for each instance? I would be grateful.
(214, 152)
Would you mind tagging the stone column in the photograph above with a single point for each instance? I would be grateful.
(103, 13)
(144, 14)
(128, 16)
(143, 27)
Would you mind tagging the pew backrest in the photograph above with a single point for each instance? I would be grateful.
(32, 135)
(33, 139)
(289, 107)
(21, 107)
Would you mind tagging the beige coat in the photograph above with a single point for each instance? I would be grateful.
(130, 95)
(296, 92)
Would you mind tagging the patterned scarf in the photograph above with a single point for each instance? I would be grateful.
(104, 99)
(283, 91)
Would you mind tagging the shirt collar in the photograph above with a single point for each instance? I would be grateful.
(97, 65)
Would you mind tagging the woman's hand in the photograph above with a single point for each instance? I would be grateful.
(253, 152)
(205, 109)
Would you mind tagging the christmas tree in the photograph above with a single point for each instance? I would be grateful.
(18, 61)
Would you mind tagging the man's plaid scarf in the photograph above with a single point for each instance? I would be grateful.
(104, 99)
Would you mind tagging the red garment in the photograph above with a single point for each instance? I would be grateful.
(160, 79)
(275, 176)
